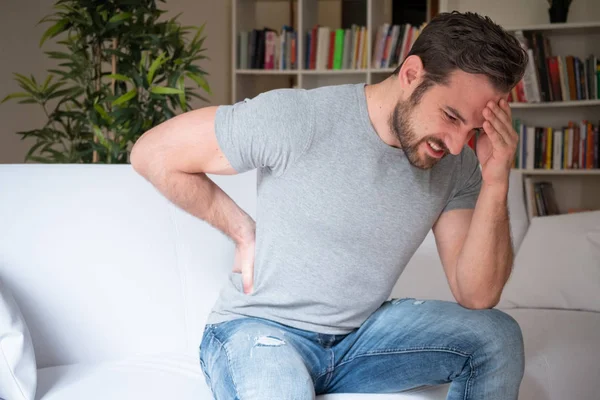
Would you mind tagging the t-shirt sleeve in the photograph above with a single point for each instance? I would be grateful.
(271, 130)
(466, 192)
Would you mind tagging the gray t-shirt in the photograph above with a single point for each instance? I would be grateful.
(339, 212)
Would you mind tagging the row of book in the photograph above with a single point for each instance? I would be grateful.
(541, 198)
(335, 49)
(393, 43)
(326, 48)
(575, 146)
(551, 77)
(268, 49)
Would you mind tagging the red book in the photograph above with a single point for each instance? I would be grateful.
(331, 49)
(554, 78)
(590, 147)
(313, 47)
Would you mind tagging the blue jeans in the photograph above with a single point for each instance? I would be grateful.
(405, 344)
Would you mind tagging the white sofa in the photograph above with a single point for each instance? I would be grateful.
(115, 284)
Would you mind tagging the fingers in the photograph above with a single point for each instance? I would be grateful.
(247, 278)
(492, 133)
(498, 118)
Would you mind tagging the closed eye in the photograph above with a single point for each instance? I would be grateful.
(450, 117)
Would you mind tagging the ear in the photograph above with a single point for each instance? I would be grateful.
(412, 71)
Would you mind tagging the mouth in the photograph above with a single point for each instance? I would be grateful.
(434, 149)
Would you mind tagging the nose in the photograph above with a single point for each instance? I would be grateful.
(456, 141)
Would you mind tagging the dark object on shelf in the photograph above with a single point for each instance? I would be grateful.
(413, 12)
(559, 10)
(354, 12)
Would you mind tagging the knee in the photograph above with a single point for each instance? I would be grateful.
(503, 341)
(250, 361)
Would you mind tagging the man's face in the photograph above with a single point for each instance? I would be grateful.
(444, 119)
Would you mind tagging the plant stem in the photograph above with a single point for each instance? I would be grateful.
(98, 62)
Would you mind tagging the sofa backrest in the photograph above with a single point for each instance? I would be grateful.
(103, 266)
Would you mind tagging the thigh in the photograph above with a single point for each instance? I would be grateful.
(250, 359)
(409, 343)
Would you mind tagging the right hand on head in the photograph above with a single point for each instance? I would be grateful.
(244, 264)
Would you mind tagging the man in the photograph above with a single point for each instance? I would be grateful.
(351, 180)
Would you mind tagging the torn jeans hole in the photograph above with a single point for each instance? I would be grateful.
(268, 341)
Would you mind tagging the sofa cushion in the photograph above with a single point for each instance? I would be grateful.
(558, 265)
(17, 358)
(159, 377)
(561, 354)
(166, 376)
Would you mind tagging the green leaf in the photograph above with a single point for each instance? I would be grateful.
(26, 83)
(54, 30)
(166, 90)
(98, 133)
(119, 77)
(181, 86)
(43, 160)
(29, 101)
(15, 96)
(199, 79)
(125, 98)
(33, 149)
(200, 30)
(155, 64)
(103, 113)
(71, 92)
(58, 55)
(47, 81)
(143, 61)
(120, 17)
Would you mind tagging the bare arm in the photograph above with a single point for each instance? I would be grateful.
(475, 245)
(476, 249)
(175, 157)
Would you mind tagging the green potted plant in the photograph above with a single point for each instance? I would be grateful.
(123, 70)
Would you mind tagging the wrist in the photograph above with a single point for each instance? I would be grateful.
(245, 234)
(497, 190)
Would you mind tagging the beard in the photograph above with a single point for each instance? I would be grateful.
(402, 128)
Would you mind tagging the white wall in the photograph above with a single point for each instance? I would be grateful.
(19, 52)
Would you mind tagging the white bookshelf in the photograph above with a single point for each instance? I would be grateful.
(574, 188)
(580, 36)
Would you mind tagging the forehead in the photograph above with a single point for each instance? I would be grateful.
(468, 94)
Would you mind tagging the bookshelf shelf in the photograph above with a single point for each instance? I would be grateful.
(266, 71)
(562, 28)
(550, 104)
(560, 171)
(315, 71)
(382, 70)
(333, 71)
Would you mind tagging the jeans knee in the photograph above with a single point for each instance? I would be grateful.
(246, 360)
(506, 342)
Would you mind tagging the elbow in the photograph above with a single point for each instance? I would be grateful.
(136, 158)
(142, 157)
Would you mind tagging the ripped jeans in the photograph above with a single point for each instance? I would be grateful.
(403, 345)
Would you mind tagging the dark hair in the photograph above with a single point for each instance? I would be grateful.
(471, 43)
